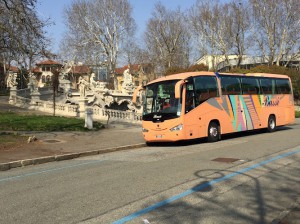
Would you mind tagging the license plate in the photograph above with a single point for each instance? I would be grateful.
(158, 136)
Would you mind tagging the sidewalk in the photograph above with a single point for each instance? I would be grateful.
(56, 146)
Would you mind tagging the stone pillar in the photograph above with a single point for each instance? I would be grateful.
(82, 106)
(35, 96)
(13, 95)
(88, 118)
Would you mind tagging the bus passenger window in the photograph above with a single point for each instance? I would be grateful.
(230, 85)
(266, 86)
(205, 87)
(283, 86)
(250, 86)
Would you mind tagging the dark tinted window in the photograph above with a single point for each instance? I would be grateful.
(268, 86)
(205, 87)
(250, 85)
(230, 85)
(283, 86)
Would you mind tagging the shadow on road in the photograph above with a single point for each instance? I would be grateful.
(248, 201)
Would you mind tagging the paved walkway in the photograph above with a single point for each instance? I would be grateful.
(66, 145)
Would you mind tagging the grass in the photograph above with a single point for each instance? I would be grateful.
(16, 122)
(297, 114)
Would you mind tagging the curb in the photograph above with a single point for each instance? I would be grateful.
(56, 158)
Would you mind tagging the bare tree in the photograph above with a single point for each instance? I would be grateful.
(99, 28)
(224, 30)
(240, 28)
(204, 19)
(21, 30)
(167, 38)
(276, 30)
(220, 28)
(22, 39)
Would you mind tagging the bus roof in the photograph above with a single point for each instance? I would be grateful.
(182, 76)
(268, 75)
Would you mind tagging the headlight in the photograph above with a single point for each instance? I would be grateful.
(144, 130)
(177, 128)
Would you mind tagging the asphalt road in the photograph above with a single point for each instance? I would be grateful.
(255, 178)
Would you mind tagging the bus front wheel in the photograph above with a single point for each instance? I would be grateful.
(213, 134)
(271, 123)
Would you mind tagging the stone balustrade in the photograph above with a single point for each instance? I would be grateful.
(72, 110)
(117, 115)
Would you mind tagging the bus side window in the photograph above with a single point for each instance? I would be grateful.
(205, 87)
(230, 85)
(266, 85)
(250, 85)
(283, 86)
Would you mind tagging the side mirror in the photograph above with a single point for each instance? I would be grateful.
(135, 93)
(178, 88)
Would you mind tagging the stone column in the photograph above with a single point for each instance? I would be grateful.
(89, 118)
(35, 96)
(13, 95)
(82, 106)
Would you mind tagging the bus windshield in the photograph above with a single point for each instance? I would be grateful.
(160, 103)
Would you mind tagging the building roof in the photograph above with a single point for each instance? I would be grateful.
(80, 69)
(36, 70)
(133, 69)
(49, 62)
(13, 68)
(9, 68)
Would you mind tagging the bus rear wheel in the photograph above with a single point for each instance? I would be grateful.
(271, 123)
(213, 134)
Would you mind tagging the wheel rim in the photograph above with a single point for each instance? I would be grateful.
(272, 123)
(213, 131)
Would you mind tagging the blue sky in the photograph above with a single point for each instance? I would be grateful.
(142, 10)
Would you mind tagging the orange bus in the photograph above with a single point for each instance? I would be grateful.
(207, 104)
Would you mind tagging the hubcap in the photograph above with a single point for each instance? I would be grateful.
(213, 131)
(272, 124)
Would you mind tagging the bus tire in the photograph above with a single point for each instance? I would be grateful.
(213, 132)
(272, 123)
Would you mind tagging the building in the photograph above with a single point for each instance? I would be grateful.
(212, 61)
(44, 71)
(219, 63)
(291, 61)
(101, 72)
(246, 63)
(141, 74)
(77, 71)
